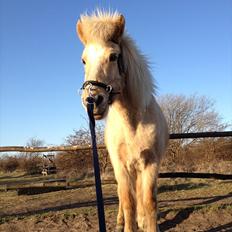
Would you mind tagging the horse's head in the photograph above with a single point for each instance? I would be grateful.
(102, 59)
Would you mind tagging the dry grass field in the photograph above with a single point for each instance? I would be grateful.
(184, 205)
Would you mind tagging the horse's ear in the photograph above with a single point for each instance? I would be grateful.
(80, 32)
(119, 29)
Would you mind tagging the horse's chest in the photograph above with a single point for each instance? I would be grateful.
(128, 146)
(131, 158)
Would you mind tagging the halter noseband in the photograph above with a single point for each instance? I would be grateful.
(107, 88)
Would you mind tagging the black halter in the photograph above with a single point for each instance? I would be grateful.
(108, 88)
(121, 67)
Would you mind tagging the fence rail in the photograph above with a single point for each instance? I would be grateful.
(47, 149)
(214, 134)
(195, 175)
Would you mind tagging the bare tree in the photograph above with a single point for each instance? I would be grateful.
(185, 114)
(34, 142)
(190, 114)
(82, 160)
(31, 162)
(82, 136)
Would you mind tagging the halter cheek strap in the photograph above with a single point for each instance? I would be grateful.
(121, 67)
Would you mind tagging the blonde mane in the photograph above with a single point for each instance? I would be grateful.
(139, 81)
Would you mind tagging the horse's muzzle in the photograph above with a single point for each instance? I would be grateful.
(96, 100)
(99, 106)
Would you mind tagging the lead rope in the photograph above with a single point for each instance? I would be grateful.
(100, 204)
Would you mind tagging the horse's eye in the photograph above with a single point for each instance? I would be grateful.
(83, 61)
(113, 57)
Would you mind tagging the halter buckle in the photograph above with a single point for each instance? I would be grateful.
(109, 88)
(90, 89)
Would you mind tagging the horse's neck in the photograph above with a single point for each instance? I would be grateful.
(123, 110)
(120, 124)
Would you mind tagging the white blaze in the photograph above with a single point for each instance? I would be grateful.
(94, 52)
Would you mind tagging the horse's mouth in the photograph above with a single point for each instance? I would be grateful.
(98, 116)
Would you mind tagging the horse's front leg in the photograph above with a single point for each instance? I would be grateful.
(149, 176)
(139, 201)
(120, 217)
(127, 205)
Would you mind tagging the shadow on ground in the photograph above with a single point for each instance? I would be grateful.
(226, 228)
(177, 187)
(181, 216)
(107, 201)
(184, 214)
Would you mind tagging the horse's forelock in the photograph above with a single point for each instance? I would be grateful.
(101, 25)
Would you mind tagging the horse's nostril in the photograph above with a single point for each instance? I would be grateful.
(99, 100)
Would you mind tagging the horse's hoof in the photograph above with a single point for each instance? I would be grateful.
(119, 228)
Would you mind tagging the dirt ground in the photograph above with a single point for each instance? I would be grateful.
(185, 205)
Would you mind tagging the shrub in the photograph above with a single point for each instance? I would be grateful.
(9, 163)
(30, 164)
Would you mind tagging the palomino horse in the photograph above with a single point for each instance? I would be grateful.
(117, 76)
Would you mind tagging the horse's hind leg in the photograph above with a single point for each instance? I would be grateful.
(149, 176)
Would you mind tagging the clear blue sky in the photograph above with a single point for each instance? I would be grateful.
(188, 42)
